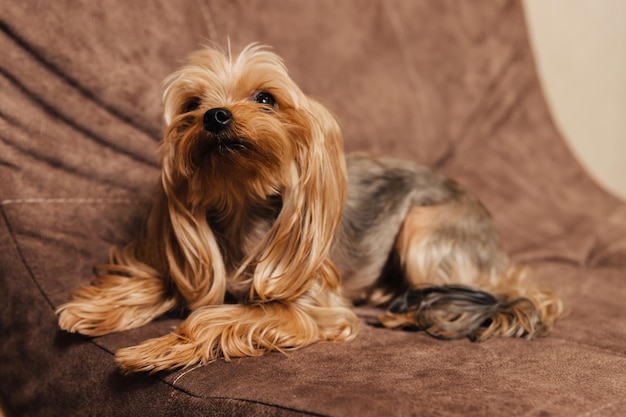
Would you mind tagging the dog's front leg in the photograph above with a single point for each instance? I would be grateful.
(114, 303)
(239, 330)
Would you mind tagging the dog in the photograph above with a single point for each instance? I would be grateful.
(267, 234)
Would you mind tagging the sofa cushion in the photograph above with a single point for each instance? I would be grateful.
(445, 83)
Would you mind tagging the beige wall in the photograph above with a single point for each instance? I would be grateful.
(580, 48)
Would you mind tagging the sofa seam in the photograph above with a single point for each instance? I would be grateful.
(70, 200)
(21, 256)
(250, 401)
(173, 385)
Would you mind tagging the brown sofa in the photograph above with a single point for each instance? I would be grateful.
(448, 83)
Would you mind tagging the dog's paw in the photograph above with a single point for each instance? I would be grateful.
(163, 353)
(76, 317)
(115, 303)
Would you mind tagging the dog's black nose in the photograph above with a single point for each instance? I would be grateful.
(218, 119)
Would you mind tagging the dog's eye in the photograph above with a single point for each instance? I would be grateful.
(265, 98)
(191, 105)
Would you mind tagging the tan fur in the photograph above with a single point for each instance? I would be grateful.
(256, 212)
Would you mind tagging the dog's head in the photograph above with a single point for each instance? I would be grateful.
(240, 132)
(241, 125)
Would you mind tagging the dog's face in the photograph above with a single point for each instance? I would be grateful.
(241, 136)
(240, 124)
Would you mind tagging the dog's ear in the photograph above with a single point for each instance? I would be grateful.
(295, 251)
(183, 246)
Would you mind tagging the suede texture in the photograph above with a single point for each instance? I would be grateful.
(445, 83)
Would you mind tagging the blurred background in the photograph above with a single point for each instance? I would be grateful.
(580, 51)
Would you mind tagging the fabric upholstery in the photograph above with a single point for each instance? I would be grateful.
(446, 83)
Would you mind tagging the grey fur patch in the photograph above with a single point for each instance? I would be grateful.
(380, 193)
(452, 312)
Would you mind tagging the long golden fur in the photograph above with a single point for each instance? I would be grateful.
(258, 206)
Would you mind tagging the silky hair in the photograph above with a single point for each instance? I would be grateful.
(253, 233)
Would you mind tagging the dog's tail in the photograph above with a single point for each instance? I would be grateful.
(461, 283)
(457, 311)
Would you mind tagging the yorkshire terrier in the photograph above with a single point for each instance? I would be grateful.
(268, 234)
